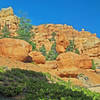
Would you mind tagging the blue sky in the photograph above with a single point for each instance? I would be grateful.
(78, 13)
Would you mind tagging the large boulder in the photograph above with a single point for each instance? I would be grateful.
(69, 59)
(15, 48)
(61, 43)
(69, 64)
(37, 57)
(68, 72)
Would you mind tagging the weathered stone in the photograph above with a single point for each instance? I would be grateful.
(60, 48)
(70, 59)
(8, 18)
(15, 48)
(68, 72)
(61, 43)
(37, 57)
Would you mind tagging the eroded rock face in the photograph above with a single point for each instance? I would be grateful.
(69, 64)
(83, 39)
(70, 59)
(94, 51)
(68, 72)
(15, 48)
(61, 43)
(37, 57)
(8, 18)
(44, 33)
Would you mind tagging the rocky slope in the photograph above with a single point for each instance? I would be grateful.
(66, 65)
(86, 42)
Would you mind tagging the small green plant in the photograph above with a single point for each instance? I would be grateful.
(72, 47)
(52, 54)
(77, 51)
(33, 45)
(93, 65)
(5, 32)
(81, 75)
(69, 83)
(53, 36)
(43, 50)
(3, 68)
(24, 30)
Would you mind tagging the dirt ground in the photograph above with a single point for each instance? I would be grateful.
(93, 82)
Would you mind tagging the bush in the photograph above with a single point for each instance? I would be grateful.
(33, 45)
(52, 54)
(24, 29)
(13, 82)
(93, 65)
(5, 98)
(5, 32)
(35, 86)
(72, 48)
(43, 50)
(77, 51)
(53, 37)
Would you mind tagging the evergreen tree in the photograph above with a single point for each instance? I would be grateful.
(72, 47)
(52, 54)
(43, 50)
(24, 29)
(33, 45)
(53, 37)
(5, 32)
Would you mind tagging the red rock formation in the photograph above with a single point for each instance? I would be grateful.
(70, 59)
(61, 43)
(14, 48)
(8, 18)
(37, 57)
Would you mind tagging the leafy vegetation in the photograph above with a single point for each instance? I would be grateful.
(5, 32)
(33, 45)
(53, 37)
(14, 81)
(93, 65)
(52, 54)
(72, 47)
(77, 51)
(24, 30)
(5, 98)
(43, 50)
(35, 86)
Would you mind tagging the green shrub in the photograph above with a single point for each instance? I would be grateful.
(35, 86)
(93, 65)
(24, 30)
(52, 54)
(72, 48)
(5, 98)
(49, 91)
(53, 37)
(43, 50)
(33, 45)
(5, 32)
(77, 51)
(14, 81)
